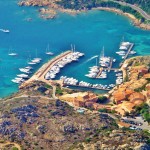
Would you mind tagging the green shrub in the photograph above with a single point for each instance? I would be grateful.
(14, 148)
(102, 99)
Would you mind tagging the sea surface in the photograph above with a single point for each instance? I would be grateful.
(89, 32)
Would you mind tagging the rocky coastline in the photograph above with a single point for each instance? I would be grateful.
(50, 12)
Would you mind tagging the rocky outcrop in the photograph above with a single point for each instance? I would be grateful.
(47, 13)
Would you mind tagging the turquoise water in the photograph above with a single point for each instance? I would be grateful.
(88, 31)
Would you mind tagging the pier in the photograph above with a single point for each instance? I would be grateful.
(40, 74)
(88, 87)
(111, 63)
(52, 63)
(112, 69)
(126, 56)
(129, 50)
(100, 71)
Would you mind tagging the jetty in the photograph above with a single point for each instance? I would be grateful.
(129, 50)
(126, 56)
(99, 73)
(40, 74)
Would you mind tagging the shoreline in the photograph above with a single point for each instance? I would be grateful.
(51, 12)
(135, 21)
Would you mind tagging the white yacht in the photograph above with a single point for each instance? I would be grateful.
(25, 70)
(23, 75)
(132, 52)
(10, 53)
(31, 63)
(123, 48)
(18, 80)
(120, 52)
(5, 30)
(103, 60)
(28, 67)
(124, 45)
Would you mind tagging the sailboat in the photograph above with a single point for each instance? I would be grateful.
(30, 61)
(48, 52)
(36, 59)
(103, 60)
(10, 53)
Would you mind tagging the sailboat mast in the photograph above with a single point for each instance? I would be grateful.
(48, 48)
(71, 48)
(96, 61)
(103, 52)
(74, 48)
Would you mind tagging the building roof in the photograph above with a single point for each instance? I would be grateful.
(120, 111)
(147, 75)
(119, 96)
(136, 96)
(127, 106)
(148, 93)
(138, 102)
(148, 86)
(80, 96)
(122, 94)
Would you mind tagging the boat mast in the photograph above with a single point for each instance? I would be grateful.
(74, 48)
(96, 61)
(48, 48)
(71, 48)
(102, 54)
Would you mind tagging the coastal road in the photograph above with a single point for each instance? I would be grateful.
(142, 12)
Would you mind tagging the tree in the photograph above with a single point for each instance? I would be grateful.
(102, 99)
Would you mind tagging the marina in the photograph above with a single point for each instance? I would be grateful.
(49, 71)
(74, 82)
(76, 31)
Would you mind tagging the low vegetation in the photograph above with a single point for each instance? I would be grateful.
(102, 99)
(144, 4)
(89, 4)
(144, 110)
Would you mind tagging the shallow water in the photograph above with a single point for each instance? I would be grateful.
(88, 31)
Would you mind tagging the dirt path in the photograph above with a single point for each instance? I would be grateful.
(3, 145)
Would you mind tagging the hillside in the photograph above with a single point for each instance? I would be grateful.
(31, 119)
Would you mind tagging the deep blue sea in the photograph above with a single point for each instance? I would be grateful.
(88, 31)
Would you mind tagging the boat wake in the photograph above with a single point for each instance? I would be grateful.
(91, 58)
